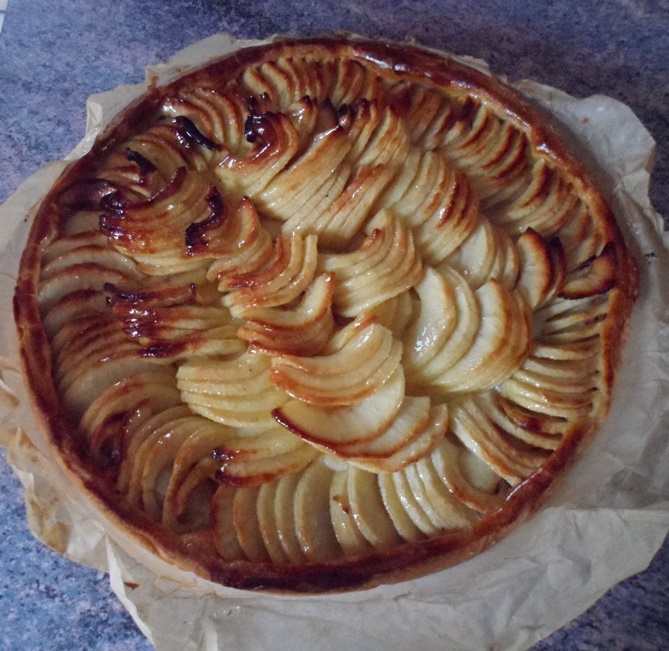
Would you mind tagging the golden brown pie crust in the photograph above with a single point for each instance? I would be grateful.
(610, 276)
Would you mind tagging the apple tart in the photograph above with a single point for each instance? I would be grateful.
(323, 314)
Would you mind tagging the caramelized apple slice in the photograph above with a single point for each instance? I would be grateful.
(346, 376)
(312, 514)
(331, 428)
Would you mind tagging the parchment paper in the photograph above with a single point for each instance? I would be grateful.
(606, 522)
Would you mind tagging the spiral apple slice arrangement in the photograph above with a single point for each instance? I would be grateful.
(316, 310)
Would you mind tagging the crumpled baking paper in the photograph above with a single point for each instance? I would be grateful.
(604, 524)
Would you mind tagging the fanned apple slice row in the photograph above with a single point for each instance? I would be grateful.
(247, 467)
(74, 279)
(274, 143)
(267, 523)
(223, 525)
(542, 396)
(341, 514)
(592, 280)
(385, 265)
(104, 419)
(544, 204)
(333, 427)
(140, 425)
(542, 268)
(415, 512)
(540, 431)
(488, 252)
(344, 377)
(72, 306)
(508, 458)
(498, 163)
(218, 115)
(459, 340)
(247, 525)
(83, 254)
(301, 330)
(500, 346)
(436, 319)
(104, 357)
(152, 454)
(443, 509)
(414, 446)
(308, 182)
(194, 465)
(313, 523)
(394, 505)
(155, 233)
(249, 247)
(286, 280)
(235, 392)
(461, 472)
(338, 225)
(368, 510)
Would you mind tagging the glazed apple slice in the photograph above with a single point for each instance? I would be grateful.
(331, 428)
(223, 525)
(287, 280)
(258, 471)
(267, 524)
(411, 505)
(463, 474)
(500, 345)
(436, 320)
(284, 516)
(368, 511)
(443, 509)
(413, 449)
(392, 502)
(247, 526)
(302, 330)
(346, 376)
(341, 512)
(312, 514)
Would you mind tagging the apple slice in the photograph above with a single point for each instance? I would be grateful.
(509, 459)
(368, 511)
(266, 514)
(500, 345)
(223, 526)
(274, 143)
(247, 526)
(343, 521)
(301, 330)
(330, 428)
(447, 465)
(283, 283)
(413, 449)
(258, 471)
(346, 376)
(411, 505)
(313, 524)
(443, 509)
(284, 515)
(404, 525)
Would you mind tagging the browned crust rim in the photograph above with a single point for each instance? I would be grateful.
(411, 559)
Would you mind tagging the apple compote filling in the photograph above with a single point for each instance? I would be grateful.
(312, 307)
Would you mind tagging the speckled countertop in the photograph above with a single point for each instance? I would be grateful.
(54, 55)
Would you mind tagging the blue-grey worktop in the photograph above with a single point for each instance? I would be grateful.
(53, 55)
